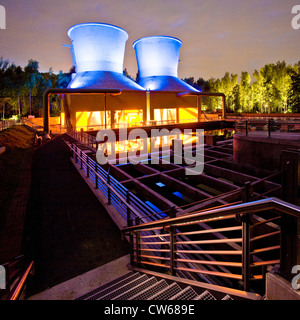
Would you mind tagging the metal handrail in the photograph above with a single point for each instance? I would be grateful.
(111, 187)
(289, 235)
(243, 208)
(18, 290)
(5, 124)
(267, 123)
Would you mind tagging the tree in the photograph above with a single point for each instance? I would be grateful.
(227, 84)
(282, 83)
(258, 91)
(31, 70)
(294, 92)
(244, 90)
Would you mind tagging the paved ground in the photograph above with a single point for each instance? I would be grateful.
(68, 231)
(87, 282)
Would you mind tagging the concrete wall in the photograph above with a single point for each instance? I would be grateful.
(261, 152)
(278, 288)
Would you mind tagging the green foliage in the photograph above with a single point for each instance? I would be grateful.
(21, 89)
(294, 92)
(273, 88)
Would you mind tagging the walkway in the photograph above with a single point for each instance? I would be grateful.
(69, 231)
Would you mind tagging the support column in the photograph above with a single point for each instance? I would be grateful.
(148, 106)
(199, 107)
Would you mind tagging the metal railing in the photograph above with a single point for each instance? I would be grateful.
(31, 124)
(5, 124)
(268, 126)
(84, 138)
(128, 204)
(235, 242)
(151, 123)
(17, 272)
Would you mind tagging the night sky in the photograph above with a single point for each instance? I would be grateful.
(217, 35)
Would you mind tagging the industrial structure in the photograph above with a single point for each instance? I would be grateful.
(228, 232)
(158, 95)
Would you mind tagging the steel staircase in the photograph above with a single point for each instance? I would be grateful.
(141, 286)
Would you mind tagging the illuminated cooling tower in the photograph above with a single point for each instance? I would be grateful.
(98, 51)
(157, 59)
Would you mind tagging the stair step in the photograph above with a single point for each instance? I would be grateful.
(110, 285)
(167, 293)
(103, 290)
(227, 297)
(118, 291)
(152, 290)
(206, 295)
(137, 286)
(133, 291)
(187, 293)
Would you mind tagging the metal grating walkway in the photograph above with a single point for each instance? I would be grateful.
(138, 286)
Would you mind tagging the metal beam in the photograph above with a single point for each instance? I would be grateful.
(46, 110)
(206, 94)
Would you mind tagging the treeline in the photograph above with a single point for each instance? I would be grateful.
(21, 89)
(273, 88)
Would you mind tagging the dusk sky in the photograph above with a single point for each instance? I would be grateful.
(217, 35)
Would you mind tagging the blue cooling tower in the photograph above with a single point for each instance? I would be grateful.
(98, 50)
(157, 59)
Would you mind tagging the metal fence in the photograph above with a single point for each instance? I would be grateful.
(258, 234)
(127, 204)
(5, 124)
(266, 126)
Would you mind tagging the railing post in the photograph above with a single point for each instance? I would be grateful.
(172, 212)
(131, 244)
(128, 202)
(246, 127)
(80, 159)
(247, 191)
(138, 243)
(163, 247)
(173, 263)
(246, 251)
